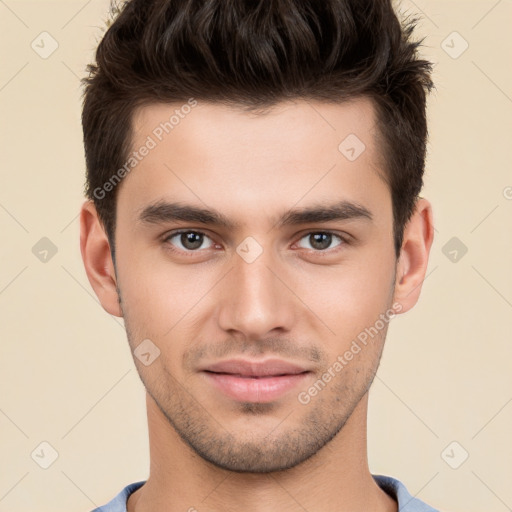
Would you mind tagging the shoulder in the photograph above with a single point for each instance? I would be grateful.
(118, 503)
(399, 492)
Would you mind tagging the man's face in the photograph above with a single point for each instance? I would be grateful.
(260, 289)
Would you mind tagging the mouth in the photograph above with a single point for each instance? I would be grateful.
(251, 381)
(254, 376)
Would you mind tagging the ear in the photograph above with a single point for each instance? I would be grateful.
(95, 249)
(413, 260)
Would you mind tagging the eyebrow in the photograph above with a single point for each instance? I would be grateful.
(162, 212)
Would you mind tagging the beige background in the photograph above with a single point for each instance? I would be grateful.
(67, 377)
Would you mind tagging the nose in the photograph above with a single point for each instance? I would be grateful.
(257, 298)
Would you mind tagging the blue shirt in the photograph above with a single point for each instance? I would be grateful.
(395, 488)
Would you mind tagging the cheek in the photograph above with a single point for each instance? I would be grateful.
(161, 302)
(348, 298)
(152, 290)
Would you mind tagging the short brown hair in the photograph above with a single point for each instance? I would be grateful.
(253, 54)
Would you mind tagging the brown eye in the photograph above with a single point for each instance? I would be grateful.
(321, 240)
(187, 240)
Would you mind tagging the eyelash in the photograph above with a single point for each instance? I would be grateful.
(172, 234)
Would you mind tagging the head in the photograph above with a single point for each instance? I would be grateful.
(287, 140)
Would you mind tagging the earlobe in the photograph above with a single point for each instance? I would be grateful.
(99, 267)
(413, 261)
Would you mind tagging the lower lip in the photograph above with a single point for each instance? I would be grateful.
(250, 389)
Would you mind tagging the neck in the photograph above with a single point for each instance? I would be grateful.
(337, 477)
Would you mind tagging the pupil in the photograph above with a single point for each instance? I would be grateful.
(323, 238)
(191, 240)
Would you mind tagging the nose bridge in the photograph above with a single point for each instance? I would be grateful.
(256, 301)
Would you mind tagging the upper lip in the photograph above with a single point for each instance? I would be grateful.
(247, 368)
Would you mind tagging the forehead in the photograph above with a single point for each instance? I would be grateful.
(286, 122)
(243, 163)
